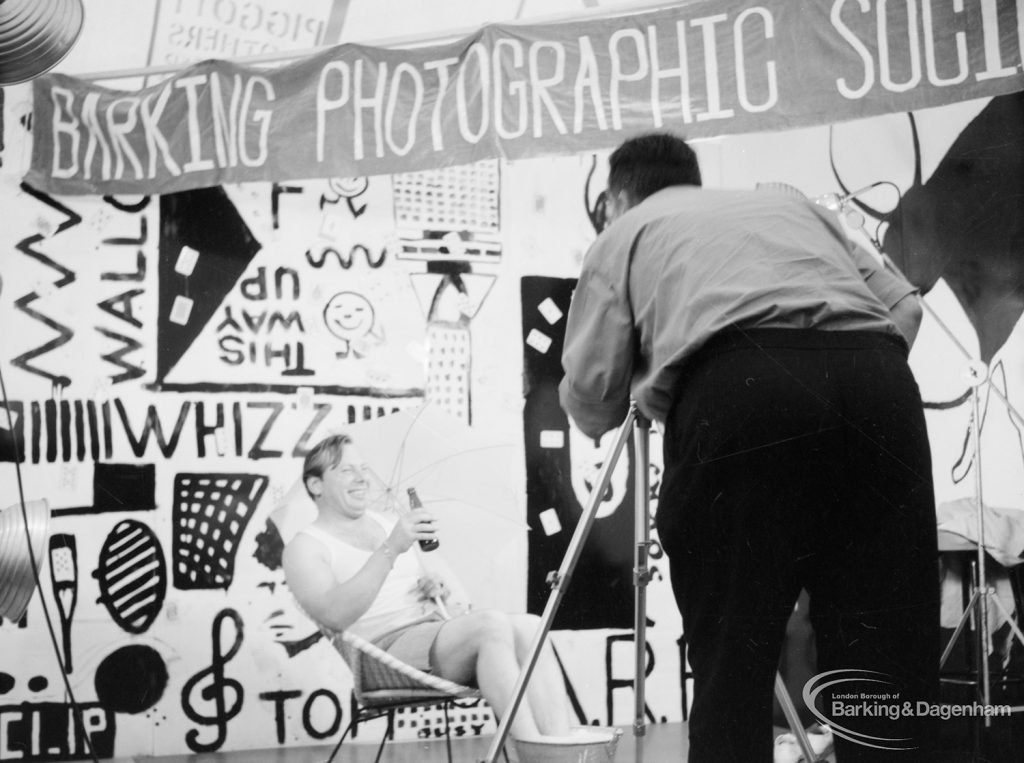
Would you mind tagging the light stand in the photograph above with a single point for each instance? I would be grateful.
(983, 594)
(641, 572)
(636, 423)
(976, 374)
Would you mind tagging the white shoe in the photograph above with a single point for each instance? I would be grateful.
(821, 741)
(787, 748)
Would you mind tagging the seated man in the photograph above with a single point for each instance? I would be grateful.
(351, 570)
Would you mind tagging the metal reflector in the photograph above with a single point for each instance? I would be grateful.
(35, 35)
(17, 578)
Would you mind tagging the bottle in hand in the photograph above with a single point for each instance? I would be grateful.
(416, 503)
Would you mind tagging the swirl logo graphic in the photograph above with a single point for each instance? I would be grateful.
(860, 695)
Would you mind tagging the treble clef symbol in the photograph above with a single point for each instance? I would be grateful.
(216, 689)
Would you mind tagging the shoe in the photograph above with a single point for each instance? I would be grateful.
(821, 739)
(787, 748)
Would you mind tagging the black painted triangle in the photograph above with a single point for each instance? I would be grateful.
(206, 221)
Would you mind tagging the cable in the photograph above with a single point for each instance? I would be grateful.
(75, 708)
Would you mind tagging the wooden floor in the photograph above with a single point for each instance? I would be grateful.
(661, 743)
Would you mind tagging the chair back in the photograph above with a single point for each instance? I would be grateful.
(379, 678)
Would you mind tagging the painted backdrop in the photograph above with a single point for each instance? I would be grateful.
(168, 361)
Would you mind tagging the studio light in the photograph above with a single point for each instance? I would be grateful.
(17, 577)
(35, 35)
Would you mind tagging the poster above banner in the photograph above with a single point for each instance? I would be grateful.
(187, 31)
(702, 68)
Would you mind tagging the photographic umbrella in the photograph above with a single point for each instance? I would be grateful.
(469, 478)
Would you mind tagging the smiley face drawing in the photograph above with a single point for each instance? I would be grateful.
(350, 317)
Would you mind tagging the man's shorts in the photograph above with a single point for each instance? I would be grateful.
(412, 644)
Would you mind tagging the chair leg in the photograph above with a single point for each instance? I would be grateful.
(338, 745)
(387, 735)
(447, 730)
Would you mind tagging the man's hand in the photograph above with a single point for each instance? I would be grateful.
(417, 524)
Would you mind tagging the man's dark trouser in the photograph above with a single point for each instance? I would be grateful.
(800, 459)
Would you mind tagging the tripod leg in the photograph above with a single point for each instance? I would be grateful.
(793, 718)
(560, 582)
(964, 618)
(1006, 615)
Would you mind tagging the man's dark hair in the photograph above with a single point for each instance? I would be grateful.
(647, 163)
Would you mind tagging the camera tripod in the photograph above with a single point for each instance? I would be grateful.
(639, 426)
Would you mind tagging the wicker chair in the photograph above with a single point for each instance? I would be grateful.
(382, 684)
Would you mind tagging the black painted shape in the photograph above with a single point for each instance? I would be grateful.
(279, 698)
(966, 224)
(614, 683)
(570, 690)
(307, 721)
(128, 206)
(205, 220)
(64, 580)
(210, 513)
(125, 346)
(24, 303)
(12, 443)
(217, 687)
(153, 426)
(124, 487)
(597, 210)
(132, 576)
(131, 679)
(118, 487)
(293, 648)
(269, 546)
(55, 729)
(600, 594)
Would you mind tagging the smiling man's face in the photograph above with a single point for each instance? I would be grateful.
(343, 486)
